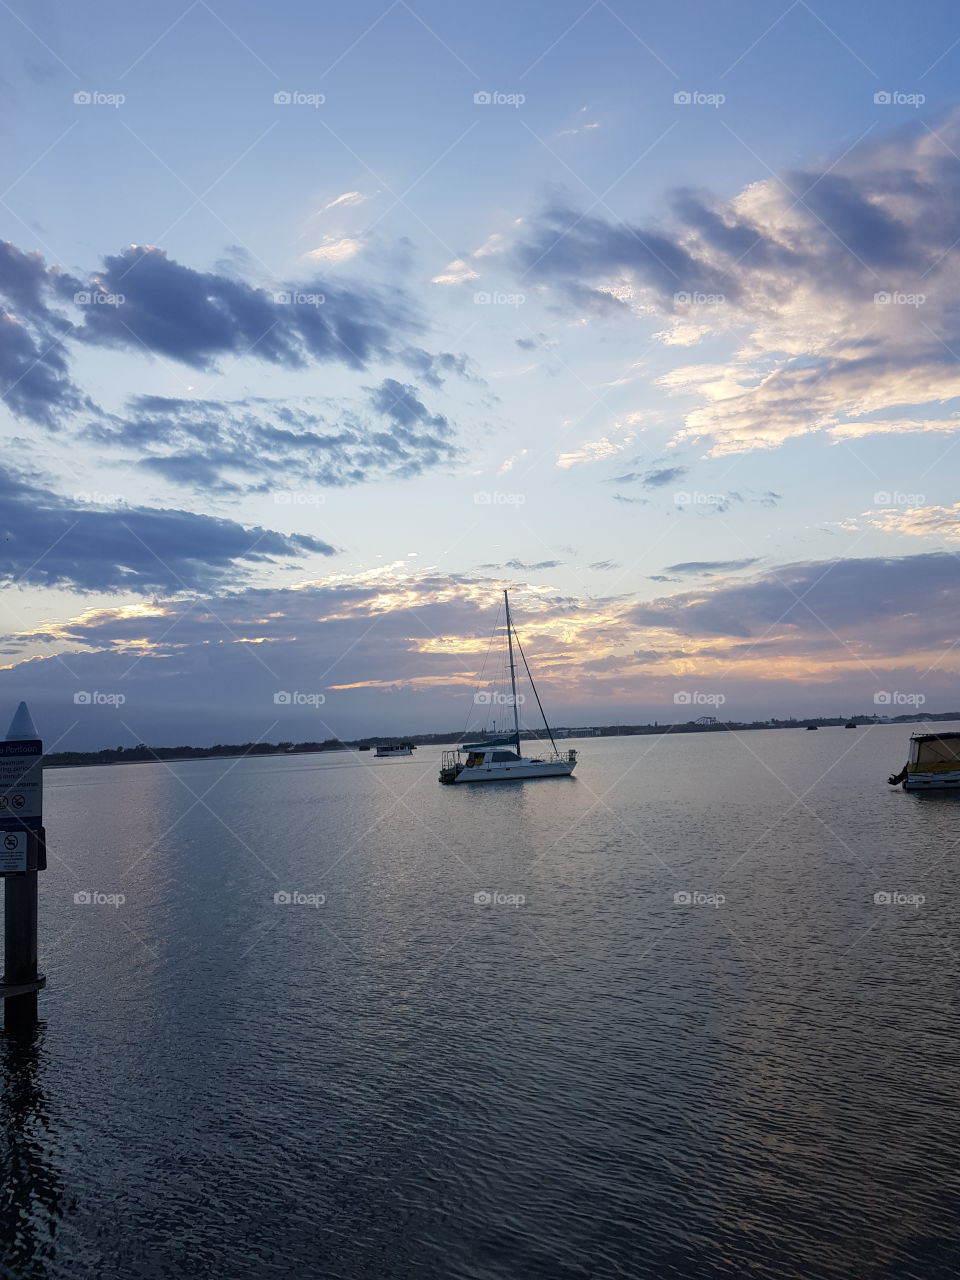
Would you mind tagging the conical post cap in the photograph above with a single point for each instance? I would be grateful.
(22, 726)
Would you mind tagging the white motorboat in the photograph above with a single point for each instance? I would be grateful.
(933, 763)
(501, 759)
(401, 749)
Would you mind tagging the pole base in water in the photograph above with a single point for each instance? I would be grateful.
(20, 1003)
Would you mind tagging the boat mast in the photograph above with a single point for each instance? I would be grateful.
(513, 672)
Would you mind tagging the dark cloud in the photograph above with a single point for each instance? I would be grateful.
(198, 316)
(258, 444)
(883, 605)
(50, 541)
(522, 566)
(654, 479)
(604, 564)
(708, 567)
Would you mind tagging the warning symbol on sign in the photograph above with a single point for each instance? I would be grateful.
(13, 852)
(10, 841)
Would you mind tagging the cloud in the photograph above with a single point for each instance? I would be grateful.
(52, 541)
(348, 198)
(709, 566)
(604, 564)
(143, 301)
(259, 444)
(457, 272)
(875, 606)
(919, 522)
(335, 249)
(523, 567)
(838, 282)
(655, 479)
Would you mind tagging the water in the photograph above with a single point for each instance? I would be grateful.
(600, 1081)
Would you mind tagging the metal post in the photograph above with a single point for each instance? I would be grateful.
(22, 855)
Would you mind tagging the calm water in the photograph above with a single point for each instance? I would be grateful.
(600, 1081)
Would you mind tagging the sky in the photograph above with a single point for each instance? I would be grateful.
(320, 325)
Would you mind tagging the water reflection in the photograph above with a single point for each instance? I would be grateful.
(31, 1192)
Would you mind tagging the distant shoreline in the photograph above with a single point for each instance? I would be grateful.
(143, 754)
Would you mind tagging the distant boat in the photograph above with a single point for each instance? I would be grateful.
(491, 761)
(363, 748)
(812, 726)
(851, 724)
(932, 765)
(401, 749)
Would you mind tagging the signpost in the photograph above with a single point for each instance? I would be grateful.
(22, 855)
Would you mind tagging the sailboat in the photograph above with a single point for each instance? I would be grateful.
(500, 759)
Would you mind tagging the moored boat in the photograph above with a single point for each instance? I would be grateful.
(500, 759)
(401, 749)
(932, 765)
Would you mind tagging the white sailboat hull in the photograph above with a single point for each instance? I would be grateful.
(516, 771)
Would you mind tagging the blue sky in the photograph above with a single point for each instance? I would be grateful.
(308, 348)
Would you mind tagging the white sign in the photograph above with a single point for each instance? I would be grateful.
(13, 851)
(21, 784)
